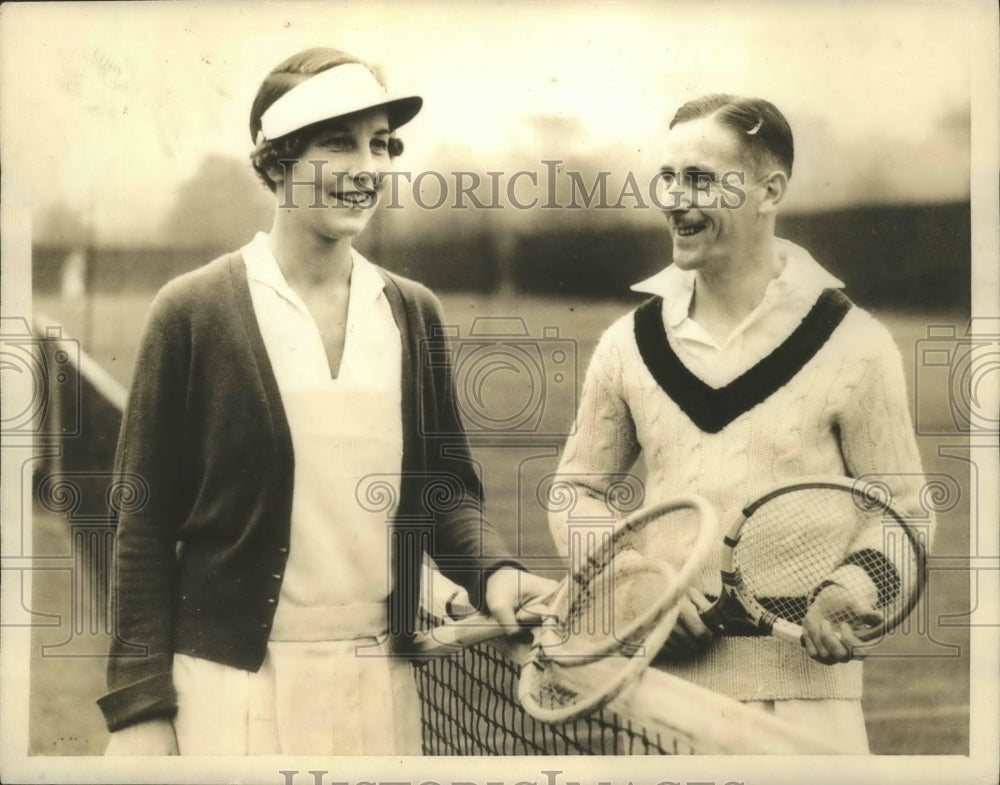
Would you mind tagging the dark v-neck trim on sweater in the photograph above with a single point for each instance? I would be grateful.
(711, 408)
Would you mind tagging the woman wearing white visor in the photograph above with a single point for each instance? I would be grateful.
(292, 448)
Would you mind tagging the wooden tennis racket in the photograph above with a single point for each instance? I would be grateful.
(614, 577)
(798, 539)
(606, 623)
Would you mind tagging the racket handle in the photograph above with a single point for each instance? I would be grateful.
(448, 638)
(472, 627)
(534, 612)
(786, 631)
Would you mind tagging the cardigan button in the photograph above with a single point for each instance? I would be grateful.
(276, 576)
(282, 550)
(271, 600)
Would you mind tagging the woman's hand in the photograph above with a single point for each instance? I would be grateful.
(149, 737)
(690, 635)
(828, 631)
(508, 590)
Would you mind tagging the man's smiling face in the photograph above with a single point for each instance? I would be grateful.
(709, 195)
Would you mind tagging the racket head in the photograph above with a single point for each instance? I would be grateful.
(610, 612)
(797, 538)
(559, 689)
(613, 615)
(617, 593)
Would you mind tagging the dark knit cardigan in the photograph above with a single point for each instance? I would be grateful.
(201, 549)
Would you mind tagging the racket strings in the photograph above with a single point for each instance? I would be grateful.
(882, 571)
(796, 543)
(611, 611)
(623, 585)
(559, 689)
(669, 537)
(556, 689)
(615, 614)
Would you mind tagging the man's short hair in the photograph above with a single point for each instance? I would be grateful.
(763, 131)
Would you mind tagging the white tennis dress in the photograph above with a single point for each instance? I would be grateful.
(327, 685)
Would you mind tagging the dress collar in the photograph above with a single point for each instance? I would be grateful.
(262, 267)
(802, 277)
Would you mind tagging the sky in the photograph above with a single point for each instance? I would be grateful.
(107, 108)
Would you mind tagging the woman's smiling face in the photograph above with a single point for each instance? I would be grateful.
(332, 189)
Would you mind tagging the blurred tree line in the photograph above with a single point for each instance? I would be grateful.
(584, 237)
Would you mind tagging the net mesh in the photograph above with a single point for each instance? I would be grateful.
(468, 707)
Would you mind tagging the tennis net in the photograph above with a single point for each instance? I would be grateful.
(469, 707)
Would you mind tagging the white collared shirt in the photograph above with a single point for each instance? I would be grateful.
(372, 350)
(787, 299)
(346, 433)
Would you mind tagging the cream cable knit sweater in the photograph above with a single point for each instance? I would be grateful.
(844, 411)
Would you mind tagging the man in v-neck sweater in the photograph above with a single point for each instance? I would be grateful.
(748, 367)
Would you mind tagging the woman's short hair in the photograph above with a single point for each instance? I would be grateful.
(286, 75)
(762, 129)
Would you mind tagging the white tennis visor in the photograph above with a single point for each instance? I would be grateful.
(335, 92)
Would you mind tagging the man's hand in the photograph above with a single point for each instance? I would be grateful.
(690, 635)
(150, 737)
(508, 590)
(830, 623)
